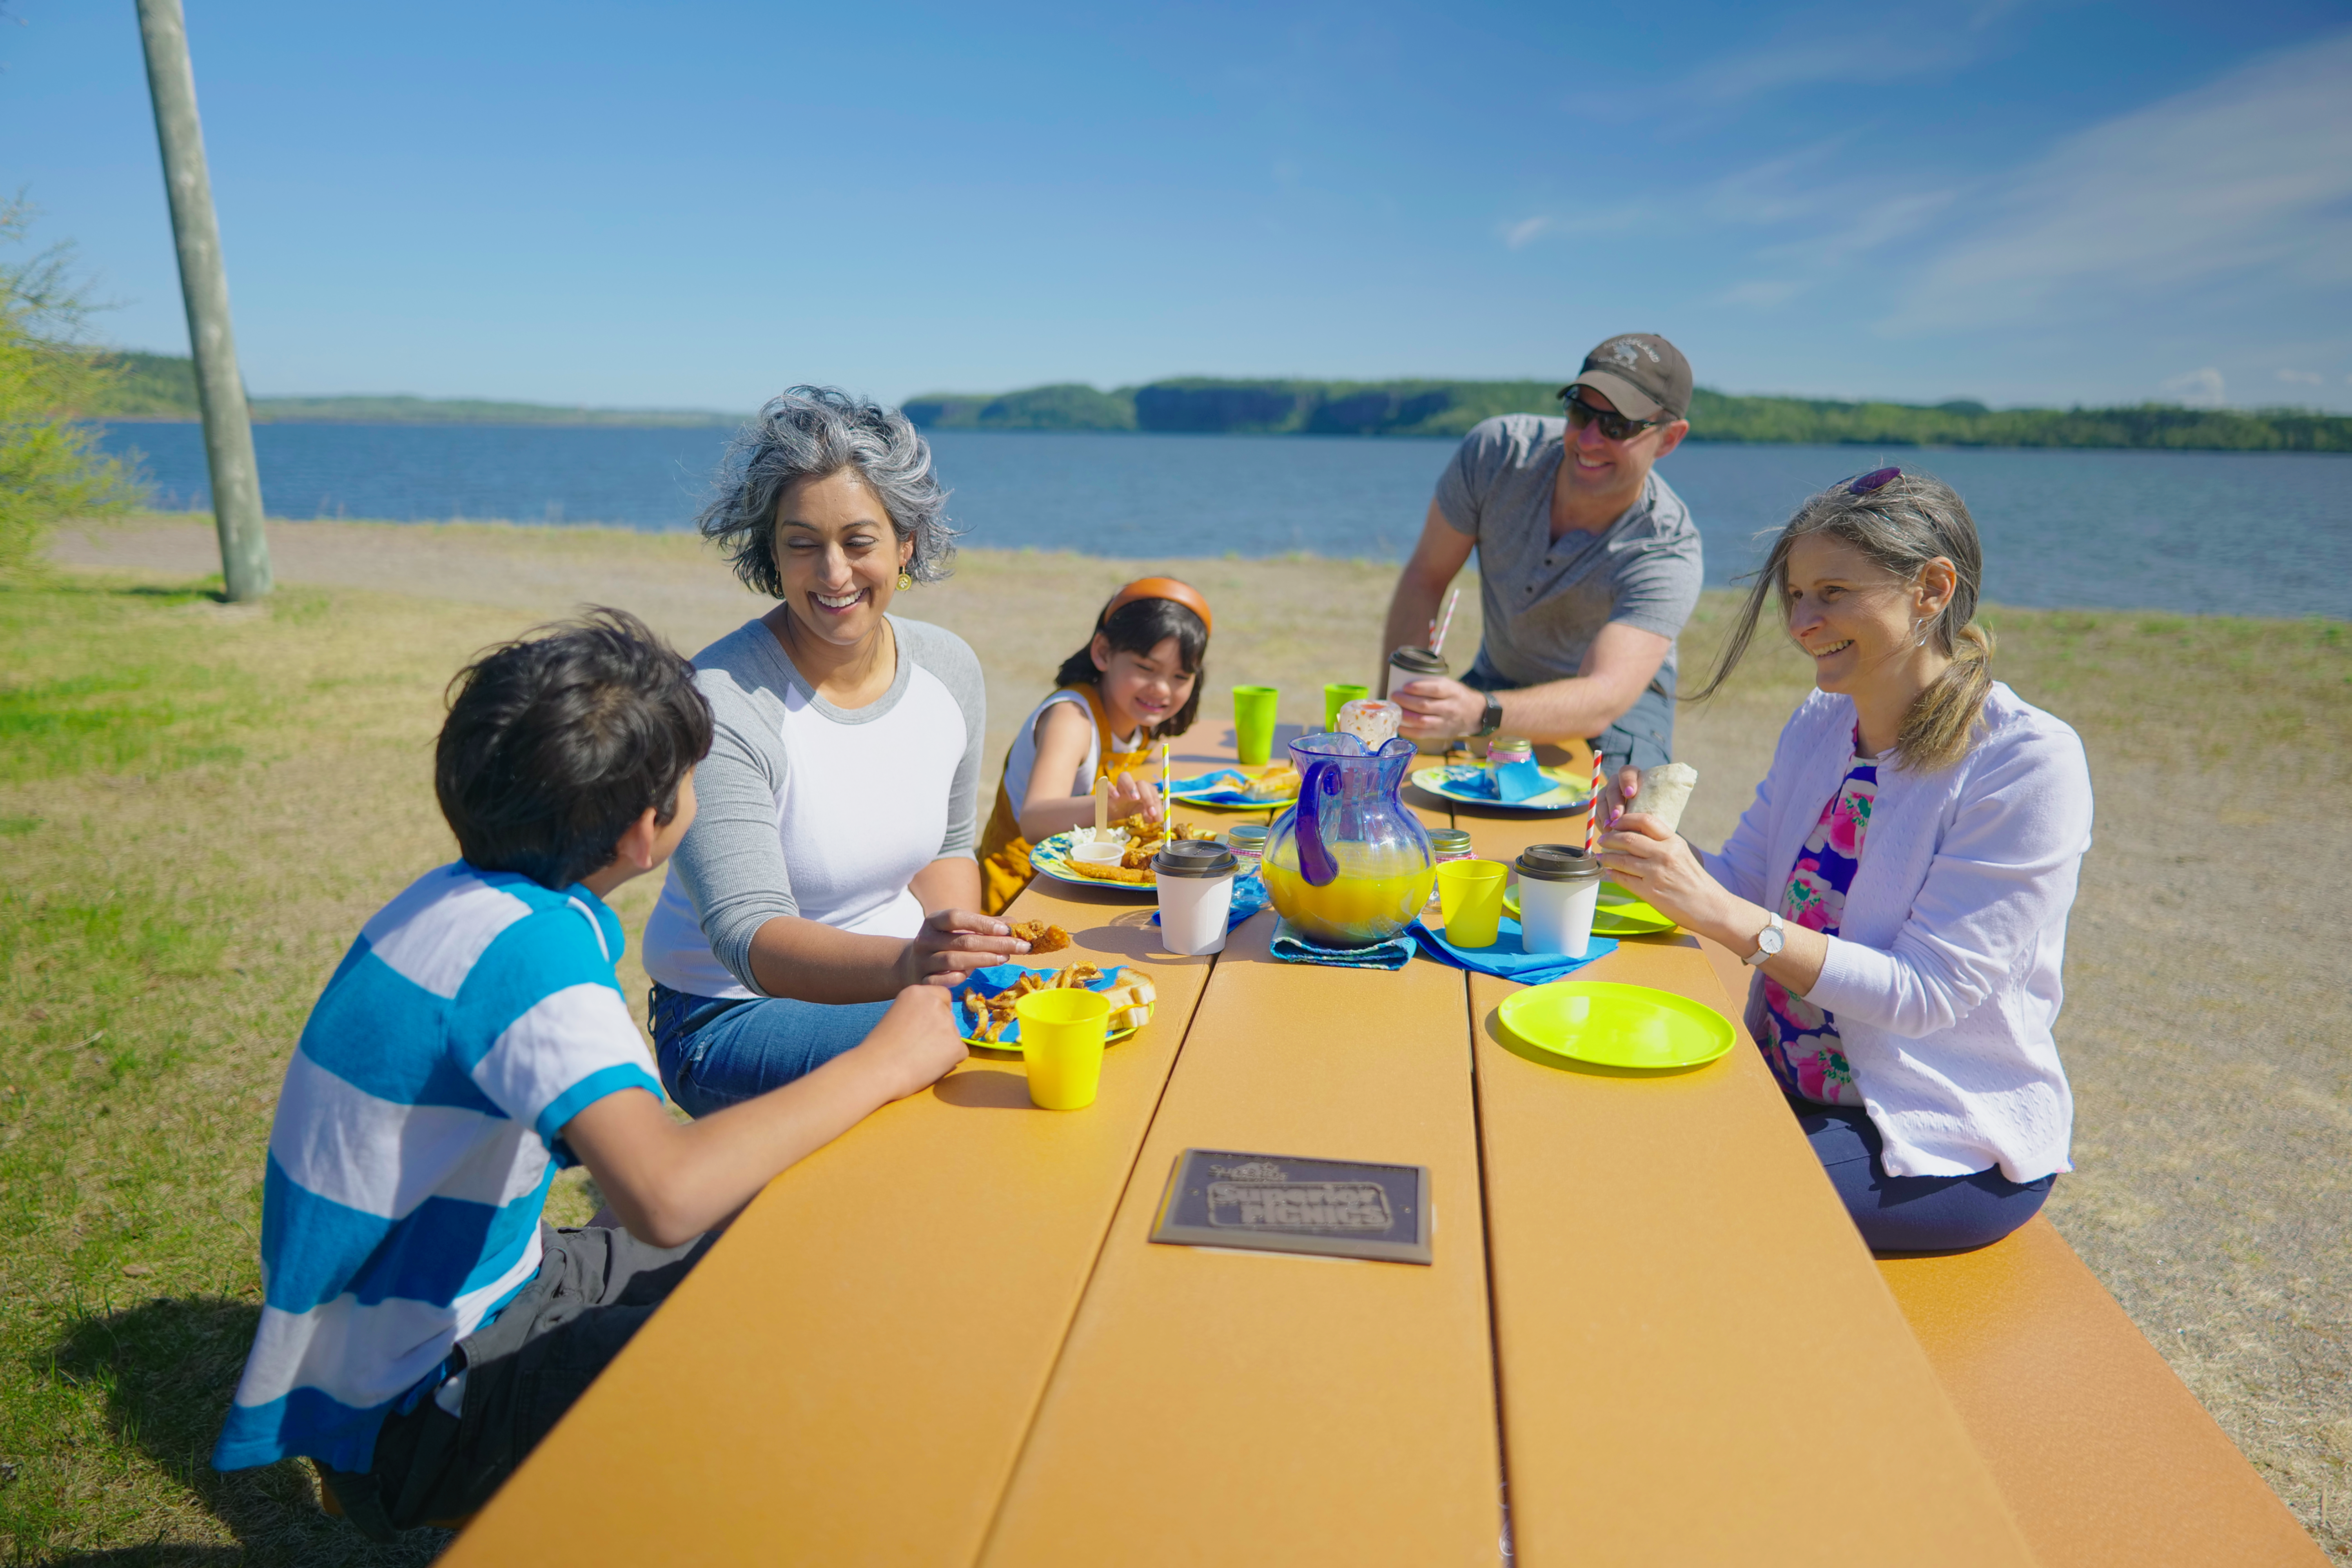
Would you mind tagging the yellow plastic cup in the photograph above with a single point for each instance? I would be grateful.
(1334, 694)
(1254, 722)
(1062, 1045)
(1470, 898)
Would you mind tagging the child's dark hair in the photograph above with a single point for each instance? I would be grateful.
(558, 741)
(1138, 626)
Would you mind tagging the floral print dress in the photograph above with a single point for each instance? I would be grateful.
(1801, 1041)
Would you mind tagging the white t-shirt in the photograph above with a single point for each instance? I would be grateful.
(804, 808)
(1021, 762)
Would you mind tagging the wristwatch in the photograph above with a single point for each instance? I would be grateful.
(1492, 719)
(1769, 941)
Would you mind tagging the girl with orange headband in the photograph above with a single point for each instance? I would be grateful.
(1137, 680)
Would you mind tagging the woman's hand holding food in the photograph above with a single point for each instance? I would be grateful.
(1658, 866)
(1619, 793)
(953, 942)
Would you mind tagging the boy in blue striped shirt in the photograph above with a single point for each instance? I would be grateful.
(422, 1328)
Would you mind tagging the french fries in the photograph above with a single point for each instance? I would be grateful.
(985, 1019)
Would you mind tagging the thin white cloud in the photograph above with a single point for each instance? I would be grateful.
(1762, 292)
(2250, 174)
(2198, 388)
(2304, 377)
(1517, 234)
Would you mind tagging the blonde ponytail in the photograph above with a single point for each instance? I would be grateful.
(1942, 723)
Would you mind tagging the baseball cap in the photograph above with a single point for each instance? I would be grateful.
(1641, 372)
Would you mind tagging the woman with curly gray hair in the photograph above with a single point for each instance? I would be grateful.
(830, 863)
(1901, 883)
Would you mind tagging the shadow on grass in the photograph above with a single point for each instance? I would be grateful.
(167, 1368)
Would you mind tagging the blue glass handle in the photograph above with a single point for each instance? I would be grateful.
(1314, 861)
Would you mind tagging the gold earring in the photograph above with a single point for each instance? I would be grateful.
(905, 581)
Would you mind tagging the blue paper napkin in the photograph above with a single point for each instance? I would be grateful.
(1292, 947)
(1516, 782)
(1474, 781)
(1249, 897)
(1504, 957)
(999, 977)
(1226, 786)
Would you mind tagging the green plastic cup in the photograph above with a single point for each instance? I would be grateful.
(1254, 722)
(1334, 694)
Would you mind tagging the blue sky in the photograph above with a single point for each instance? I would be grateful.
(693, 205)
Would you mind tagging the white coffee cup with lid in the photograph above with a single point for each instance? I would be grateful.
(1559, 889)
(1195, 880)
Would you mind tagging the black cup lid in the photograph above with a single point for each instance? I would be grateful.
(1194, 858)
(1419, 660)
(1557, 863)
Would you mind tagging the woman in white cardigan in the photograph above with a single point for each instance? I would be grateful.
(1901, 882)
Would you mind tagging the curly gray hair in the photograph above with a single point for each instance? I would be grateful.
(813, 433)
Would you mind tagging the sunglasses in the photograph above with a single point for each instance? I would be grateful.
(1613, 424)
(1862, 485)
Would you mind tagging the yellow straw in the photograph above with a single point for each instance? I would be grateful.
(1167, 794)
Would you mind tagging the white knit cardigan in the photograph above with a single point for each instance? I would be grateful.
(1944, 975)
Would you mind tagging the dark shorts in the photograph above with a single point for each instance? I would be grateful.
(522, 1370)
(1643, 737)
(1912, 1213)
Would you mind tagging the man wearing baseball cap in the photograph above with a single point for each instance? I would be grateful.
(1588, 563)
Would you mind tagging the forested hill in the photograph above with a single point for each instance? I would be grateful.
(1450, 407)
(162, 387)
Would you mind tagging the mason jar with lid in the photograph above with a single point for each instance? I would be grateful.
(1248, 842)
(1504, 749)
(1448, 844)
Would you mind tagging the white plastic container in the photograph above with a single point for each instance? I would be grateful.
(1195, 880)
(1559, 889)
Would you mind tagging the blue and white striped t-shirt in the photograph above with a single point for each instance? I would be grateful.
(414, 1140)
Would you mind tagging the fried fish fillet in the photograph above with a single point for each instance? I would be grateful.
(1040, 936)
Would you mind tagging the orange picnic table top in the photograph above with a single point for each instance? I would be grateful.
(947, 1338)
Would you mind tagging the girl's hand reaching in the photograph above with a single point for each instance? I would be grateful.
(1131, 795)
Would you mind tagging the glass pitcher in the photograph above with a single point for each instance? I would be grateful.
(1348, 865)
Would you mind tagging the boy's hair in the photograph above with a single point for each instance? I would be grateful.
(558, 741)
(1138, 626)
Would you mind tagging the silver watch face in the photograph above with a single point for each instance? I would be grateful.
(1769, 941)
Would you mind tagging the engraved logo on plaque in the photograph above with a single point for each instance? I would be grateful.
(1345, 1208)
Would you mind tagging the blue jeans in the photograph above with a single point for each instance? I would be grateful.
(1912, 1213)
(1643, 737)
(717, 1052)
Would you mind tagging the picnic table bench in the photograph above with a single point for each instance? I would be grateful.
(1647, 1323)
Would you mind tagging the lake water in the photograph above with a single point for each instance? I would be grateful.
(2222, 533)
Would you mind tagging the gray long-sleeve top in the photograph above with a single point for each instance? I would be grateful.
(808, 809)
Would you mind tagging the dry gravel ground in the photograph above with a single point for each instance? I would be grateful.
(2207, 1029)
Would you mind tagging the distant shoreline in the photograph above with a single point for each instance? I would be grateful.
(621, 422)
(162, 388)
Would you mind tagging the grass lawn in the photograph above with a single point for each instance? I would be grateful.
(200, 804)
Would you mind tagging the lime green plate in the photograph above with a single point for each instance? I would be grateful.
(1619, 913)
(1616, 1026)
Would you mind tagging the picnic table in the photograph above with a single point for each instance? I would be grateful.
(1649, 1327)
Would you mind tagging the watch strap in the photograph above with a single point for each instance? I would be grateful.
(1491, 719)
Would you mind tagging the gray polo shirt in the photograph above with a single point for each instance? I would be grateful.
(1546, 600)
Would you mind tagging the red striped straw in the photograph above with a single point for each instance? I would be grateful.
(1437, 627)
(1592, 810)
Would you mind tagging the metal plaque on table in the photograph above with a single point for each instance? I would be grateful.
(1274, 1203)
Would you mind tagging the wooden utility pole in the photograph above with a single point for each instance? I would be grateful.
(203, 283)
